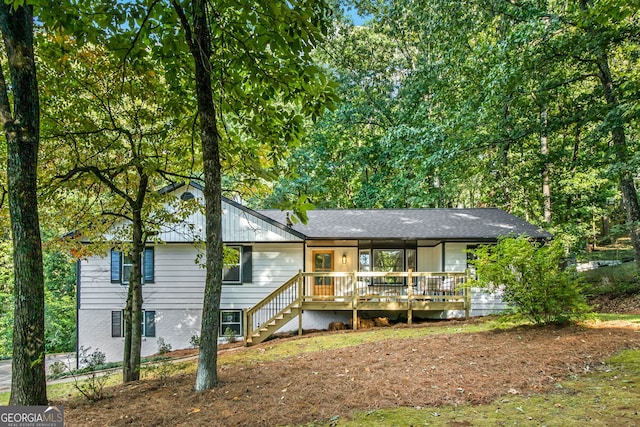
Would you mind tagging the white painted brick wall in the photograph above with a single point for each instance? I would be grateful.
(176, 327)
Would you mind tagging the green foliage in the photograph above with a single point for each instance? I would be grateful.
(163, 347)
(616, 281)
(60, 300)
(92, 385)
(194, 341)
(230, 335)
(530, 278)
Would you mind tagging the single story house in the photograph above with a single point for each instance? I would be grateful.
(341, 265)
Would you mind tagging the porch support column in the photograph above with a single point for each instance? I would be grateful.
(354, 302)
(300, 299)
(409, 297)
(467, 295)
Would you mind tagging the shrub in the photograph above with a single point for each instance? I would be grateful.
(93, 382)
(194, 341)
(531, 279)
(231, 335)
(163, 347)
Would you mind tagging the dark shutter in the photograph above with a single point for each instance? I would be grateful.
(149, 323)
(116, 265)
(247, 264)
(149, 264)
(116, 323)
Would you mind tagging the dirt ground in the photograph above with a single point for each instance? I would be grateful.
(427, 371)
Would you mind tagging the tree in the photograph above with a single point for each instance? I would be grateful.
(268, 45)
(22, 131)
(117, 138)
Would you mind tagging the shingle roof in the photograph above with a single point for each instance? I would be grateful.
(411, 224)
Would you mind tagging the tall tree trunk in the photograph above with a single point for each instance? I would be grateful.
(22, 132)
(627, 187)
(133, 341)
(133, 331)
(200, 46)
(544, 151)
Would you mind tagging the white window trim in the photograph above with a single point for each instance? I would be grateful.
(222, 324)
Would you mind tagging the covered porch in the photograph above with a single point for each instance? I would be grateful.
(399, 291)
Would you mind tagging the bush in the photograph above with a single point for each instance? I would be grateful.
(94, 381)
(531, 279)
(163, 347)
(194, 341)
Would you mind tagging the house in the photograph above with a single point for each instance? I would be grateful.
(341, 265)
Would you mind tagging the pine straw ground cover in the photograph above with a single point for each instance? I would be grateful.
(427, 371)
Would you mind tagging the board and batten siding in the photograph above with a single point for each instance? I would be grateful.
(273, 265)
(238, 225)
(430, 258)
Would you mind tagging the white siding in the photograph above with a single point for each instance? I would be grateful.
(273, 264)
(179, 282)
(96, 289)
(484, 303)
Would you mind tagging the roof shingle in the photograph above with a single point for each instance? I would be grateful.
(411, 224)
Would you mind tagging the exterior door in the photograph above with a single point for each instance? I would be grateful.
(322, 263)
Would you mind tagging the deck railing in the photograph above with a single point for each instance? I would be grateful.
(280, 299)
(389, 285)
(359, 287)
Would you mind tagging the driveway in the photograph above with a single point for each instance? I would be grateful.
(5, 367)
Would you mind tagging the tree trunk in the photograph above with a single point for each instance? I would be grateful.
(627, 187)
(22, 132)
(200, 46)
(133, 331)
(544, 151)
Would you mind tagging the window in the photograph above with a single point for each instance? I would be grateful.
(242, 272)
(148, 323)
(122, 263)
(365, 260)
(231, 323)
(231, 273)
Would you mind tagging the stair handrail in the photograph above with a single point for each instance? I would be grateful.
(250, 312)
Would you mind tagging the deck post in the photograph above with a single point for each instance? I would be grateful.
(300, 298)
(467, 295)
(248, 328)
(409, 297)
(354, 303)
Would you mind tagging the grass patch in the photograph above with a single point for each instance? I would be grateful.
(606, 397)
(611, 317)
(67, 389)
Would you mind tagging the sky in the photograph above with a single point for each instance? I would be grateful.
(353, 14)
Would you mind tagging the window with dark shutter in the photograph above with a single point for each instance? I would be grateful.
(247, 264)
(116, 323)
(231, 274)
(121, 266)
(149, 264)
(115, 266)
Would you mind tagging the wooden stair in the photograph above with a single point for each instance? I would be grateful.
(272, 325)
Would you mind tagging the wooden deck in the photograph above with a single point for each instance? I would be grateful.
(356, 291)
